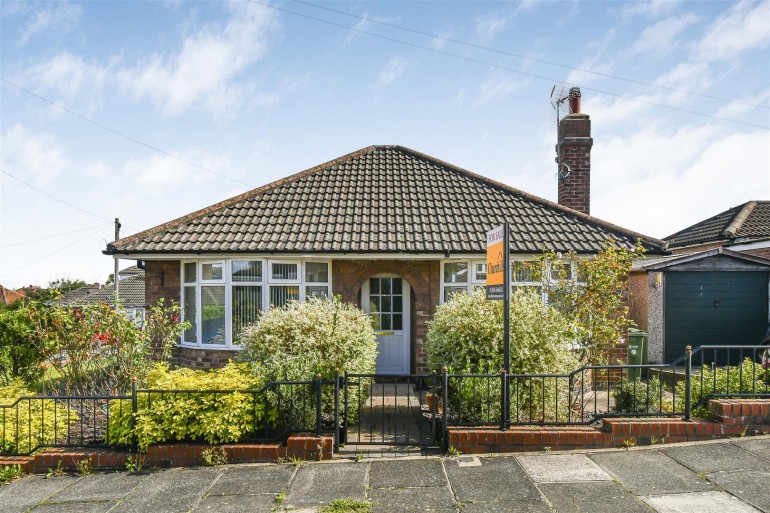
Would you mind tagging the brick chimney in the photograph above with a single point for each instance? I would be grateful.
(574, 151)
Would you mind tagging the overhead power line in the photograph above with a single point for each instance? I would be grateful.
(505, 68)
(121, 134)
(30, 241)
(52, 253)
(530, 58)
(64, 202)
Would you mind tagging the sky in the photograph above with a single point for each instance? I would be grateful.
(149, 110)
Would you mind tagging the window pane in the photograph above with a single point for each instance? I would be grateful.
(190, 272)
(247, 270)
(448, 291)
(213, 314)
(280, 295)
(398, 303)
(374, 304)
(522, 271)
(456, 272)
(284, 271)
(385, 304)
(211, 271)
(481, 272)
(374, 285)
(189, 314)
(247, 304)
(385, 322)
(396, 286)
(385, 285)
(397, 322)
(560, 271)
(316, 291)
(316, 272)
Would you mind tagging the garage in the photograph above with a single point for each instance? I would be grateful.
(715, 297)
(714, 308)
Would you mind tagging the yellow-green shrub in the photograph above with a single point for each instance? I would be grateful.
(27, 424)
(194, 415)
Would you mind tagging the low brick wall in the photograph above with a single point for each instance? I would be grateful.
(730, 417)
(305, 446)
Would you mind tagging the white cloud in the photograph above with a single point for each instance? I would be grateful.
(486, 26)
(739, 107)
(684, 174)
(203, 69)
(742, 28)
(498, 86)
(650, 9)
(34, 157)
(69, 75)
(661, 37)
(45, 19)
(392, 70)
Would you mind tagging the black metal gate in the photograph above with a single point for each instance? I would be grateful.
(384, 409)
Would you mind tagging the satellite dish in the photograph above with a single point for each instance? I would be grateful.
(559, 96)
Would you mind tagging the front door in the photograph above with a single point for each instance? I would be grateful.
(386, 299)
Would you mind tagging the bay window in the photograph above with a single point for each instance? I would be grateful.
(221, 297)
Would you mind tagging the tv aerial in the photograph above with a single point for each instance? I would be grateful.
(559, 101)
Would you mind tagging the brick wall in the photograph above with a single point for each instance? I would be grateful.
(161, 280)
(423, 277)
(576, 142)
(201, 358)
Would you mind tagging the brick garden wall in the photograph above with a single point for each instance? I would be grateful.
(423, 277)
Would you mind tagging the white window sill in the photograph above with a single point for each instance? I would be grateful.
(216, 347)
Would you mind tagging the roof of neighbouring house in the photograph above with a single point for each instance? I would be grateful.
(130, 291)
(662, 263)
(8, 296)
(751, 220)
(381, 199)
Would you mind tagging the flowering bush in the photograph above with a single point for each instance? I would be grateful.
(98, 349)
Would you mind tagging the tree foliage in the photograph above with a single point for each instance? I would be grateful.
(20, 358)
(593, 297)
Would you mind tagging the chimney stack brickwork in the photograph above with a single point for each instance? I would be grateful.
(574, 148)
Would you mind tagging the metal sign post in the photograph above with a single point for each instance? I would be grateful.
(499, 288)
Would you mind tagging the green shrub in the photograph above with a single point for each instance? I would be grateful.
(27, 424)
(19, 357)
(317, 337)
(639, 397)
(466, 336)
(746, 378)
(194, 416)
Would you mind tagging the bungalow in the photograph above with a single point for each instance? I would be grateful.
(386, 227)
(130, 293)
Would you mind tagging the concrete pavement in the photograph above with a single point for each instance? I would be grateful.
(722, 477)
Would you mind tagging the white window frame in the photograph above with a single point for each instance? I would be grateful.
(228, 283)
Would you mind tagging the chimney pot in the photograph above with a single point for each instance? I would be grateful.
(574, 100)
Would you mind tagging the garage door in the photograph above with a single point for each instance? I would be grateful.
(714, 308)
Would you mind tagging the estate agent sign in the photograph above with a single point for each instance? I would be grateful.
(496, 263)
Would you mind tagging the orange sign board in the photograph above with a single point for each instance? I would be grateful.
(495, 263)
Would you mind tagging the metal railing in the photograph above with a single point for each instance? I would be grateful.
(594, 392)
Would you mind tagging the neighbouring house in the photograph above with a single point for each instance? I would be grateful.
(8, 296)
(130, 293)
(386, 227)
(713, 297)
(742, 228)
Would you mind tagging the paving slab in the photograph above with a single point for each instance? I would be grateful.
(24, 493)
(321, 483)
(100, 487)
(593, 497)
(518, 506)
(753, 486)
(758, 446)
(717, 457)
(75, 507)
(500, 479)
(255, 480)
(406, 474)
(171, 491)
(236, 504)
(562, 468)
(436, 499)
(700, 502)
(649, 472)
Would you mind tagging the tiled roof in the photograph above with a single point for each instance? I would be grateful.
(750, 220)
(8, 296)
(381, 199)
(130, 293)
